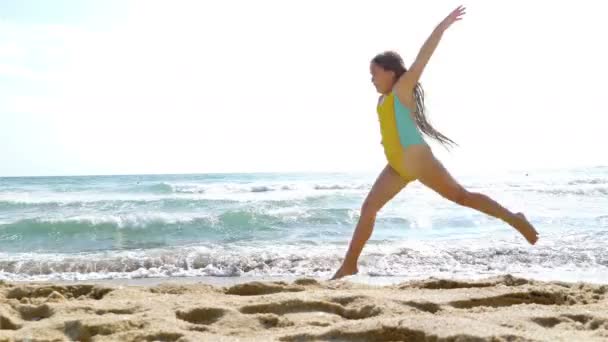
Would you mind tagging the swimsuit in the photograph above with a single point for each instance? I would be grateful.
(398, 131)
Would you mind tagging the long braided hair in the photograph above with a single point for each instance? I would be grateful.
(392, 61)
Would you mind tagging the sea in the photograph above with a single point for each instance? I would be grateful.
(260, 225)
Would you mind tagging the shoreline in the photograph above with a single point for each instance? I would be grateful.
(558, 276)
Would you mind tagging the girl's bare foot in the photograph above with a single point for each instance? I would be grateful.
(520, 222)
(344, 271)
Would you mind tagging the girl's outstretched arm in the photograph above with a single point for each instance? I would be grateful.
(412, 76)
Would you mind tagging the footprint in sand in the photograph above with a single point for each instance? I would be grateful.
(204, 316)
(70, 291)
(423, 306)
(572, 321)
(257, 288)
(7, 322)
(30, 312)
(509, 299)
(446, 284)
(87, 328)
(118, 311)
(160, 336)
(347, 300)
(299, 306)
(390, 334)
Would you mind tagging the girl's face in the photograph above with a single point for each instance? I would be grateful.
(382, 79)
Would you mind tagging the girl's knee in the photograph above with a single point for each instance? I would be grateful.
(459, 195)
(370, 208)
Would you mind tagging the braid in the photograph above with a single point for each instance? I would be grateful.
(422, 121)
(392, 61)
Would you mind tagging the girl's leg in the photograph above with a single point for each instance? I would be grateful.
(433, 174)
(386, 186)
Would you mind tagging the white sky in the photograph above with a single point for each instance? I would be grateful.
(123, 87)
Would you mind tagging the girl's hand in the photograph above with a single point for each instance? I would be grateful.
(452, 18)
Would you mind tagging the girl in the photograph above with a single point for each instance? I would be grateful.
(401, 113)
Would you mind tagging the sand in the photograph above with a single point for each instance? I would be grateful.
(502, 308)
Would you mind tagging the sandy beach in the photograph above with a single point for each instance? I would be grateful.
(500, 308)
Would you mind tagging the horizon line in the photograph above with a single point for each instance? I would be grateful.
(546, 168)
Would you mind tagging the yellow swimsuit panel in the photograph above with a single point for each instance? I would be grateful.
(398, 131)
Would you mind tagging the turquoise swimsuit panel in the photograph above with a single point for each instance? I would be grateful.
(406, 127)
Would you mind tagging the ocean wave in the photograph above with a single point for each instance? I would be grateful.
(170, 195)
(111, 203)
(341, 187)
(588, 181)
(147, 227)
(231, 188)
(157, 188)
(127, 221)
(573, 191)
(278, 214)
(300, 260)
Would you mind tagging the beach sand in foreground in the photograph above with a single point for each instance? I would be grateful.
(503, 308)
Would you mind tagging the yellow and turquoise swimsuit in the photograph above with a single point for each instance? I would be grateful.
(398, 131)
